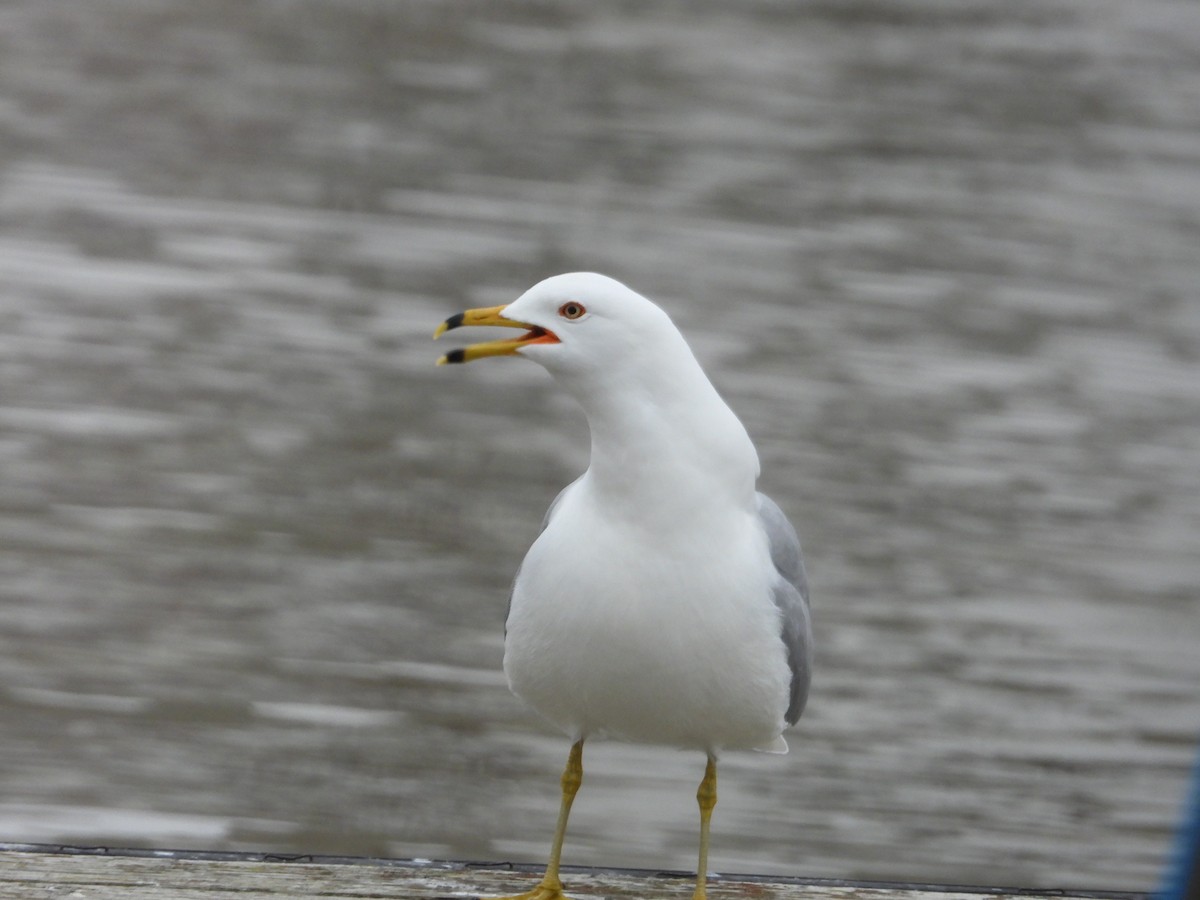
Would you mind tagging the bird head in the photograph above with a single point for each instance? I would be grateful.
(650, 407)
(574, 324)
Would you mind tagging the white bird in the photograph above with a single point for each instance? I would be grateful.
(665, 600)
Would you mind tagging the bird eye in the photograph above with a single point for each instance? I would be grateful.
(571, 310)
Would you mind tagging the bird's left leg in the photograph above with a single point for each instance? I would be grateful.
(706, 796)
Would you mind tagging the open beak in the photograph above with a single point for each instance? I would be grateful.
(491, 316)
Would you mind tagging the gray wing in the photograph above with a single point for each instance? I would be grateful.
(791, 596)
(545, 521)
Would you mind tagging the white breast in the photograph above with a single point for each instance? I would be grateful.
(679, 644)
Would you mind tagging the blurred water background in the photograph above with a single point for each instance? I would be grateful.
(942, 258)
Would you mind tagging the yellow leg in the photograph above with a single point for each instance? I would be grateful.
(706, 796)
(550, 887)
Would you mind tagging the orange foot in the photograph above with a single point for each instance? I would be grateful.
(542, 892)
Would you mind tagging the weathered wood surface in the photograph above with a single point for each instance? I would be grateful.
(159, 875)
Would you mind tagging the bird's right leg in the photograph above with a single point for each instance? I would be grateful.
(550, 887)
(706, 796)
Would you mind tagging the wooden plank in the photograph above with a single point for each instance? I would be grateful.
(98, 874)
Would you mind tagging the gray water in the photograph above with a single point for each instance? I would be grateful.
(941, 257)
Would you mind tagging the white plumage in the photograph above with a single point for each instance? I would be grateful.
(665, 599)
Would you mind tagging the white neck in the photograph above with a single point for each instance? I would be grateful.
(663, 435)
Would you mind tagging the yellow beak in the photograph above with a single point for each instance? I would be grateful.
(491, 316)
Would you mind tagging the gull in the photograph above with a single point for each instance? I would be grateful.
(665, 600)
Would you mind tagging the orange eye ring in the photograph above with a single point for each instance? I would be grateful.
(572, 310)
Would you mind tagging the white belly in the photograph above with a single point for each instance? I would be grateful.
(679, 644)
